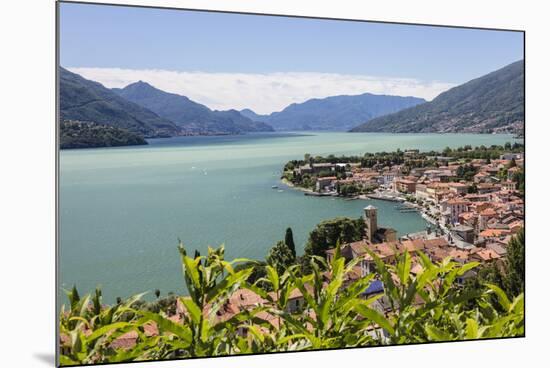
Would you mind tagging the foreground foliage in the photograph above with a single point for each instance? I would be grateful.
(414, 307)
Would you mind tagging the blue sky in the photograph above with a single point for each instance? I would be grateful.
(95, 37)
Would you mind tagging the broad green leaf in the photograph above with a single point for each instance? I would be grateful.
(471, 329)
(166, 325)
(502, 298)
(193, 310)
(376, 317)
(191, 269)
(273, 277)
(436, 334)
(105, 329)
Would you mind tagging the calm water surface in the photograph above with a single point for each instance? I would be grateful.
(122, 210)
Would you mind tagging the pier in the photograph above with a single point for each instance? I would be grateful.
(385, 197)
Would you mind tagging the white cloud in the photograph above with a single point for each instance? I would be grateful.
(263, 93)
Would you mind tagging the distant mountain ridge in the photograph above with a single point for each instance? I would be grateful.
(253, 116)
(85, 100)
(338, 113)
(492, 103)
(191, 117)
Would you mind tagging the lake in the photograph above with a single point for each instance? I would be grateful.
(122, 210)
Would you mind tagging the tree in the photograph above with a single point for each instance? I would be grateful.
(519, 178)
(308, 159)
(509, 276)
(258, 270)
(289, 241)
(514, 279)
(326, 234)
(280, 257)
(347, 190)
(485, 274)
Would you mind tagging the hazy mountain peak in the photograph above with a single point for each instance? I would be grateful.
(192, 117)
(340, 112)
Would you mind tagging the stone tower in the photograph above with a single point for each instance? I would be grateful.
(371, 222)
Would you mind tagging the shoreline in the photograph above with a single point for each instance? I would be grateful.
(290, 185)
(364, 197)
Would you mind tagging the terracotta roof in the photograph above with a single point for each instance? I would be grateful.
(438, 254)
(150, 329)
(457, 201)
(497, 247)
(416, 268)
(473, 196)
(129, 339)
(487, 254)
(125, 341)
(383, 250)
(485, 185)
(459, 254)
(516, 223)
(467, 215)
(491, 233)
(488, 212)
(245, 298)
(64, 340)
(358, 247)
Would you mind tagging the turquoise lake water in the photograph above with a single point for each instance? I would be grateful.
(122, 210)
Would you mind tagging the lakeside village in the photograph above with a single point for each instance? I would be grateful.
(473, 197)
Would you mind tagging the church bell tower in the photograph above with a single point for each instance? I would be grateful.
(371, 222)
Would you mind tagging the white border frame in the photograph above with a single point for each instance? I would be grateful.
(28, 185)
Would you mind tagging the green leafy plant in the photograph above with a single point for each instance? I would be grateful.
(333, 311)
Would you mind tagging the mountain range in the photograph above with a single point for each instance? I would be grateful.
(191, 117)
(339, 113)
(491, 103)
(81, 99)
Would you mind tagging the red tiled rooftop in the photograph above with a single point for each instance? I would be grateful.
(491, 233)
(488, 212)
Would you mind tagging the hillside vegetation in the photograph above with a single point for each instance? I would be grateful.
(492, 103)
(76, 134)
(85, 100)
